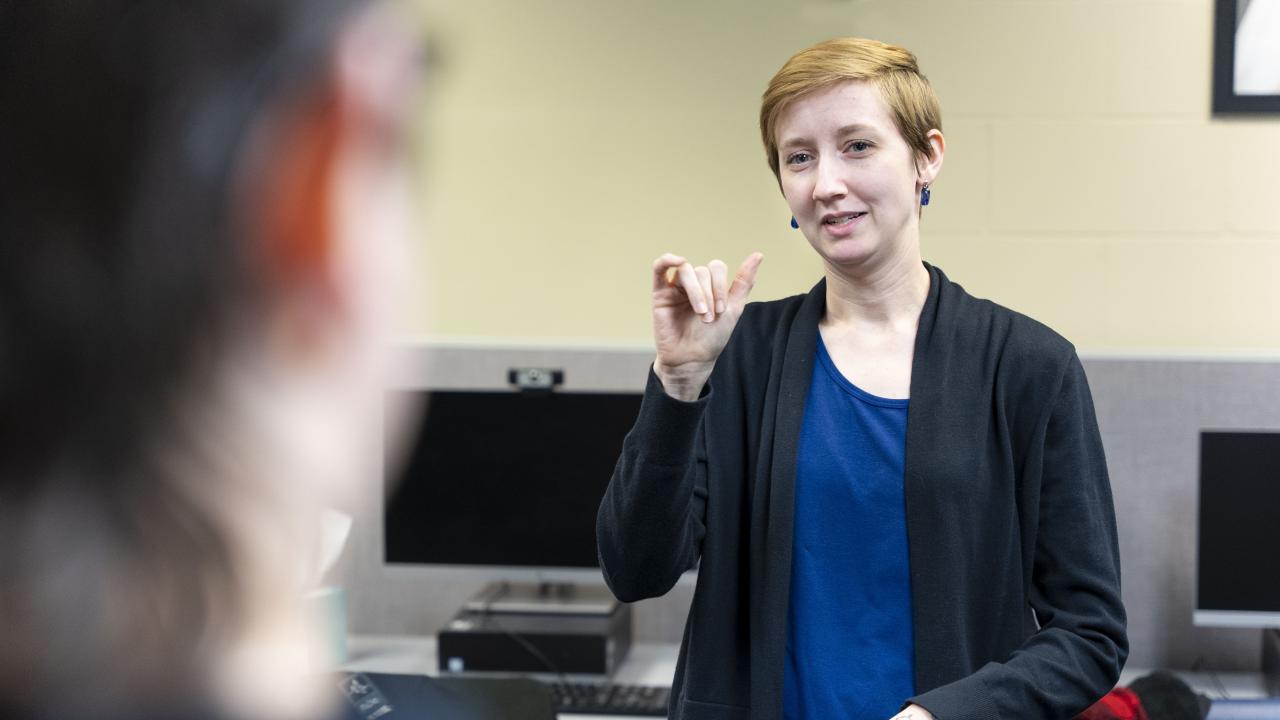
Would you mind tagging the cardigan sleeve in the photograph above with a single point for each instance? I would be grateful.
(650, 524)
(1076, 655)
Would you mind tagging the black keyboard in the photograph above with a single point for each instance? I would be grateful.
(597, 698)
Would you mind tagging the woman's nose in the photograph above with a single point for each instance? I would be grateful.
(829, 183)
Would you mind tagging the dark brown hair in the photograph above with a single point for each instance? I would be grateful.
(122, 270)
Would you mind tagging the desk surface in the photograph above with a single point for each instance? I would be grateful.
(645, 664)
(655, 664)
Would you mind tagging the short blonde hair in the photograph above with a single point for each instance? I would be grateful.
(892, 69)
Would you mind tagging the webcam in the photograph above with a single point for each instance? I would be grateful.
(535, 379)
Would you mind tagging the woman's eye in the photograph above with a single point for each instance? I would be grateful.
(859, 146)
(798, 158)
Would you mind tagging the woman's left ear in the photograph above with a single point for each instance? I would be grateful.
(295, 196)
(927, 169)
(294, 246)
(315, 152)
(359, 105)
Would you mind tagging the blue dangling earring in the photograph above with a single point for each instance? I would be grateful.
(794, 225)
(924, 194)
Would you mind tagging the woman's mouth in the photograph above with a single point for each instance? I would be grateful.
(842, 219)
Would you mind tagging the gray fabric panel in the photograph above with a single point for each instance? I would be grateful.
(1150, 412)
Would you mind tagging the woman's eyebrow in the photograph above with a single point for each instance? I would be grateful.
(796, 141)
(856, 128)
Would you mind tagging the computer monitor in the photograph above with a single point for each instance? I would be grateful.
(1238, 564)
(506, 482)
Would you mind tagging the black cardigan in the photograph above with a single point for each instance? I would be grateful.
(1015, 569)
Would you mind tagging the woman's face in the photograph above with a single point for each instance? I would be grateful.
(848, 175)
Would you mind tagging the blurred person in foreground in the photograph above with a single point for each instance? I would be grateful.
(202, 211)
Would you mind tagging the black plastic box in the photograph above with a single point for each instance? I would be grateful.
(535, 642)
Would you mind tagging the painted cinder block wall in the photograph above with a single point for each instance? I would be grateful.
(566, 143)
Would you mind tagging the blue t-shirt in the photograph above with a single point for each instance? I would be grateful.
(849, 633)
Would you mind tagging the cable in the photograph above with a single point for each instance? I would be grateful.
(1217, 681)
(1213, 675)
(492, 617)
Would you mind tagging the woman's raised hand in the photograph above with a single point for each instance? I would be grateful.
(694, 311)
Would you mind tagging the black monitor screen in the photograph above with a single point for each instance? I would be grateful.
(1239, 559)
(506, 478)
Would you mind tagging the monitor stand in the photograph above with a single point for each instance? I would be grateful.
(1271, 660)
(543, 598)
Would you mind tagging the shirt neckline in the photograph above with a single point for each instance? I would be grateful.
(843, 382)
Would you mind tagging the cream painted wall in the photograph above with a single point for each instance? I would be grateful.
(568, 142)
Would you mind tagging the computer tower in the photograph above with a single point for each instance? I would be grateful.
(535, 642)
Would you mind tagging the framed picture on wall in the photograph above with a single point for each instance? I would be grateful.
(1246, 57)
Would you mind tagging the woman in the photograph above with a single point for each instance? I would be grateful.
(856, 559)
(201, 207)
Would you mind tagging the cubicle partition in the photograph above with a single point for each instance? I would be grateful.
(1150, 410)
